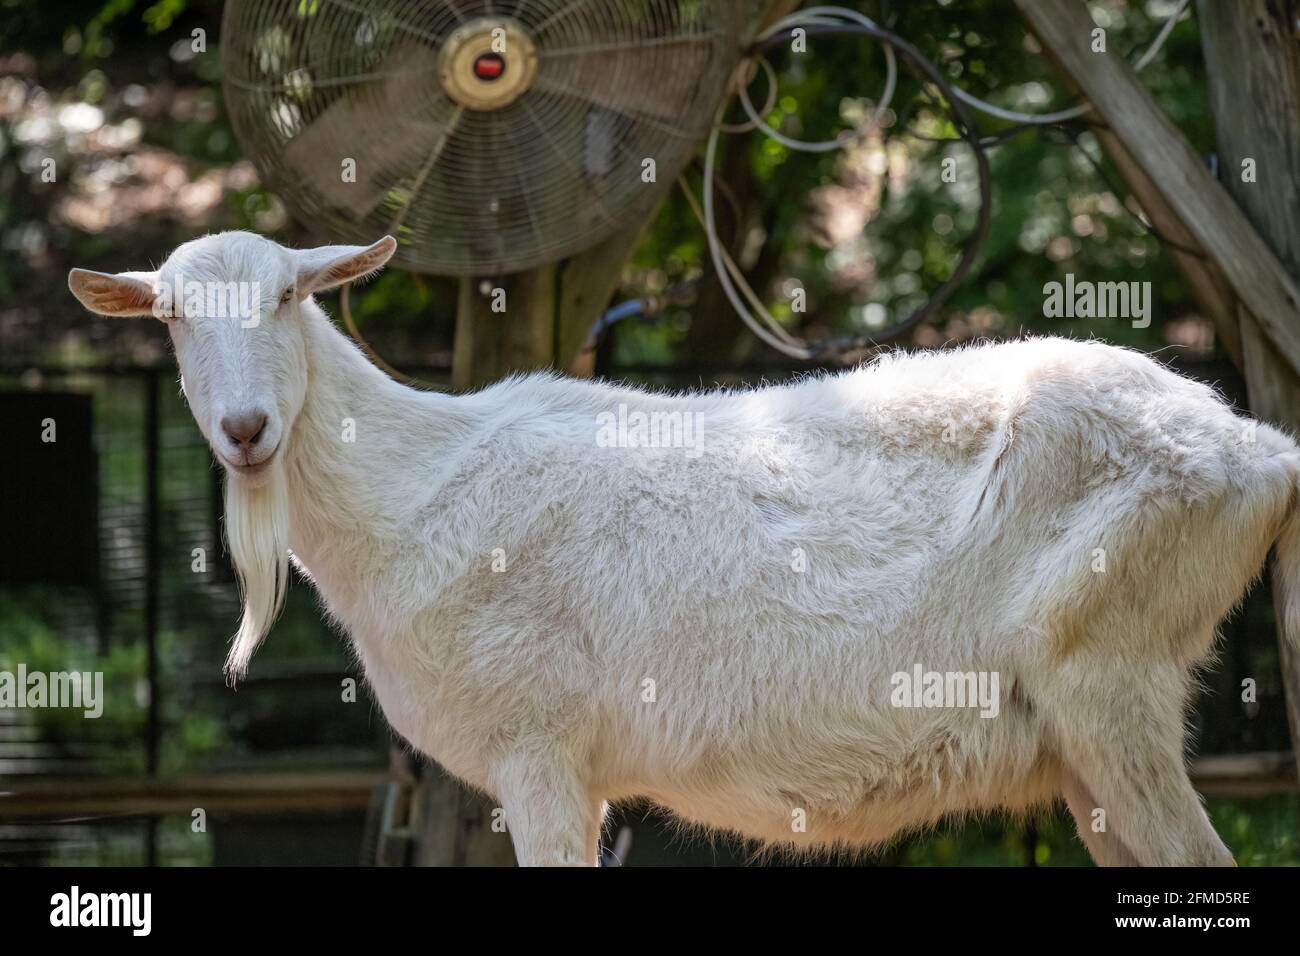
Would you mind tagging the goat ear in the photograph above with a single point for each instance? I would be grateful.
(124, 294)
(328, 266)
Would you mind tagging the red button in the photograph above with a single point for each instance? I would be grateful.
(489, 66)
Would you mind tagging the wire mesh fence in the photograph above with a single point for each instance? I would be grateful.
(150, 615)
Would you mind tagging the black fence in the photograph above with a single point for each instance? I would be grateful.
(114, 563)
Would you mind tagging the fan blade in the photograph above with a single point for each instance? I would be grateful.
(388, 127)
(658, 78)
(581, 187)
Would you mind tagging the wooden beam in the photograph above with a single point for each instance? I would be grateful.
(1204, 278)
(1245, 775)
(1254, 84)
(1212, 219)
(334, 791)
(242, 793)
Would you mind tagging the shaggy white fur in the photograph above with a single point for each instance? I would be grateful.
(563, 614)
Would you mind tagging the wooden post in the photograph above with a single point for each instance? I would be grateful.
(1253, 68)
(1204, 278)
(503, 325)
(1250, 290)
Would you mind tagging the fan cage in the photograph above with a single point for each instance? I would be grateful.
(341, 106)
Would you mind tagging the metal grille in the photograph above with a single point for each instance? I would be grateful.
(368, 119)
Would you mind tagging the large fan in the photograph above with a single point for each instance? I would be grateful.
(488, 136)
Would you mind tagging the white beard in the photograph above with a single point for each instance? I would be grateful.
(257, 532)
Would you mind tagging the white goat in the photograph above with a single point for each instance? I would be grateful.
(563, 616)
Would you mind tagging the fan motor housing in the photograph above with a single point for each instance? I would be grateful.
(488, 63)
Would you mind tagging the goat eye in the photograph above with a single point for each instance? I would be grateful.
(286, 297)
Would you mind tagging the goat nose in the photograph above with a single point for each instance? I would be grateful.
(244, 429)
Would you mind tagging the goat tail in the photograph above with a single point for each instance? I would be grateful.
(1286, 569)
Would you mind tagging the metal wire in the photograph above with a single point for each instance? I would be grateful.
(826, 20)
(766, 326)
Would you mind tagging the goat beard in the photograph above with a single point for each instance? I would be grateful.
(257, 533)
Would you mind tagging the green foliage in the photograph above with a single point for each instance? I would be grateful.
(1260, 831)
(1263, 831)
(30, 640)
